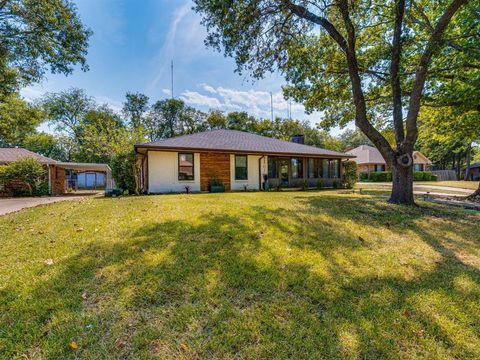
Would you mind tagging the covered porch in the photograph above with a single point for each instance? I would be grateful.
(64, 176)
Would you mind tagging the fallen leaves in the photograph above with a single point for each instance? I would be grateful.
(73, 345)
(49, 262)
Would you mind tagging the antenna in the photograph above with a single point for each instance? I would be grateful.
(271, 105)
(290, 109)
(171, 75)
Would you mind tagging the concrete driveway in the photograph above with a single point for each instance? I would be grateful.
(15, 204)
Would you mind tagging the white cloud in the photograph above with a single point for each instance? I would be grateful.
(115, 105)
(208, 88)
(195, 98)
(31, 93)
(167, 92)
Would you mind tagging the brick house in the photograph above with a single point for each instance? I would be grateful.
(237, 159)
(57, 184)
(369, 159)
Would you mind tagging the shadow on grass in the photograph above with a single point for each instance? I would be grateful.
(223, 288)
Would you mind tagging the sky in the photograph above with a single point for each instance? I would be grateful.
(131, 50)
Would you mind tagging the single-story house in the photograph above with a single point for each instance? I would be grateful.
(369, 159)
(236, 159)
(474, 173)
(57, 181)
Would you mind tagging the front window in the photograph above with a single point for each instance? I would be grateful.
(325, 169)
(241, 172)
(297, 169)
(380, 167)
(334, 169)
(185, 167)
(418, 167)
(312, 169)
(272, 167)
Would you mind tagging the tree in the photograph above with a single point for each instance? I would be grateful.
(66, 109)
(29, 171)
(18, 119)
(36, 35)
(41, 143)
(353, 138)
(135, 107)
(164, 118)
(369, 62)
(216, 120)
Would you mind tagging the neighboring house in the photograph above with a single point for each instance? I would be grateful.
(235, 158)
(369, 159)
(57, 182)
(474, 171)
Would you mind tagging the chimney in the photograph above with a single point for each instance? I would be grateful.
(299, 139)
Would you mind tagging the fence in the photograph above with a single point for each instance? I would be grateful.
(445, 175)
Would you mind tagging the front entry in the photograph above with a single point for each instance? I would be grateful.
(284, 171)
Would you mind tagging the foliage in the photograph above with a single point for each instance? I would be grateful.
(41, 143)
(353, 138)
(67, 109)
(424, 176)
(336, 184)
(124, 171)
(380, 176)
(320, 184)
(135, 108)
(304, 185)
(29, 171)
(36, 35)
(350, 173)
(18, 119)
(364, 176)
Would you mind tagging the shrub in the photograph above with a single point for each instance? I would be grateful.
(304, 185)
(424, 176)
(363, 176)
(350, 173)
(320, 184)
(124, 172)
(381, 176)
(336, 184)
(28, 171)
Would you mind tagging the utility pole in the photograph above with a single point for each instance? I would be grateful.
(290, 109)
(171, 76)
(271, 105)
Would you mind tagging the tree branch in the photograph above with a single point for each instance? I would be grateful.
(394, 72)
(422, 68)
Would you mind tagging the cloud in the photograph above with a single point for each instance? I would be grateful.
(31, 94)
(195, 98)
(167, 92)
(208, 88)
(115, 105)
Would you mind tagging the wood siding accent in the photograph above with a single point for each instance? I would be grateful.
(214, 165)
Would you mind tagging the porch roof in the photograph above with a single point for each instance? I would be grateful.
(84, 166)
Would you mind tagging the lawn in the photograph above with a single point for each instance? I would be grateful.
(240, 275)
(472, 185)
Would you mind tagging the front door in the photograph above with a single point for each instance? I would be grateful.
(284, 171)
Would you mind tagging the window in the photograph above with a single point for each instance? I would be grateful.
(379, 167)
(241, 172)
(272, 167)
(334, 169)
(325, 168)
(297, 168)
(418, 167)
(312, 168)
(185, 167)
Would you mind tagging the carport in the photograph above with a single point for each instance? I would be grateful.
(92, 168)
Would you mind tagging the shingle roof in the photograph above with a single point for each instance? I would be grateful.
(475, 165)
(8, 155)
(238, 141)
(367, 154)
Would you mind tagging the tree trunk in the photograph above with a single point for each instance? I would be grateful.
(467, 160)
(476, 195)
(402, 184)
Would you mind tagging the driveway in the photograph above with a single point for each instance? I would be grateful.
(14, 204)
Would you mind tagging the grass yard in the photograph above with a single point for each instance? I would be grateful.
(240, 275)
(472, 185)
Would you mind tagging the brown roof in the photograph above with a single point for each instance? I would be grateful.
(238, 141)
(8, 155)
(366, 154)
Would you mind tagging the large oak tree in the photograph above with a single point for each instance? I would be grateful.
(367, 60)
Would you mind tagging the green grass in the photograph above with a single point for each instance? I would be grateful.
(240, 275)
(472, 185)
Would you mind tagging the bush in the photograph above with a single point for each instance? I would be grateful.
(350, 177)
(336, 184)
(320, 184)
(304, 185)
(124, 172)
(364, 176)
(424, 176)
(28, 171)
(381, 176)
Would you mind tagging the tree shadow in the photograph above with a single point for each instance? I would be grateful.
(267, 283)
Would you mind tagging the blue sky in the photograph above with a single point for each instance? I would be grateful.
(131, 49)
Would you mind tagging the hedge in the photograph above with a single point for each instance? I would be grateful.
(386, 176)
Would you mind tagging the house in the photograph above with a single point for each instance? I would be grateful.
(474, 173)
(57, 179)
(369, 159)
(236, 159)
